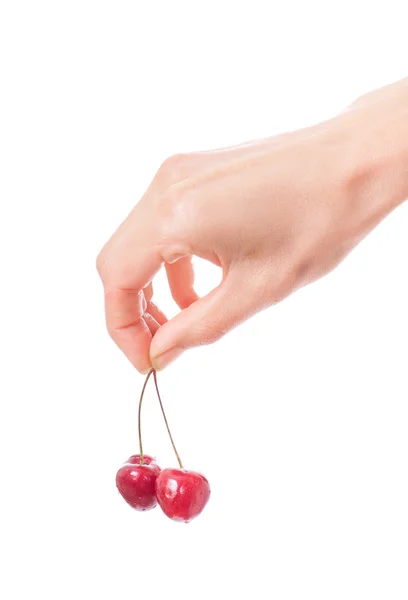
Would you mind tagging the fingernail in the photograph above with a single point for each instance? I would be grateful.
(161, 361)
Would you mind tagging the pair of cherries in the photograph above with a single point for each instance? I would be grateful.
(181, 494)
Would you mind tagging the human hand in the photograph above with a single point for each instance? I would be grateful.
(274, 214)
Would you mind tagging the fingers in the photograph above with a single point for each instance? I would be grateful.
(180, 276)
(204, 321)
(148, 292)
(160, 230)
(132, 321)
(152, 309)
(127, 327)
(126, 265)
(151, 322)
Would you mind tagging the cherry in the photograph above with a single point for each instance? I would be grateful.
(182, 494)
(136, 479)
(136, 482)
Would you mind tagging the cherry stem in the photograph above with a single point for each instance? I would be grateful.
(165, 419)
(142, 461)
(139, 421)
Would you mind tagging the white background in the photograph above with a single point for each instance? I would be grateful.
(299, 417)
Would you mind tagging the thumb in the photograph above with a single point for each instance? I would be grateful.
(205, 321)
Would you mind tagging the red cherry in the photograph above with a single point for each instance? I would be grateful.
(182, 494)
(136, 482)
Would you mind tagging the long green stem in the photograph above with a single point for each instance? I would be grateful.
(139, 421)
(165, 419)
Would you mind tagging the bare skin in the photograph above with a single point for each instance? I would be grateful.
(274, 214)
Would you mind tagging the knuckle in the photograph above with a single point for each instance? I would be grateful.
(174, 169)
(173, 222)
(170, 202)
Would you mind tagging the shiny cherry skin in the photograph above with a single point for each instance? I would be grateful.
(137, 483)
(182, 494)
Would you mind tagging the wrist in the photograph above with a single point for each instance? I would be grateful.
(380, 125)
(374, 160)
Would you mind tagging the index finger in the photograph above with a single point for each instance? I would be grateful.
(126, 265)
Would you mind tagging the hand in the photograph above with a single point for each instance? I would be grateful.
(274, 214)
